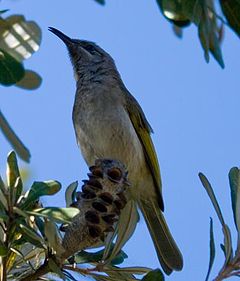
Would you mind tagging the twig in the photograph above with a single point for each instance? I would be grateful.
(14, 140)
(42, 270)
(3, 273)
(229, 270)
(101, 200)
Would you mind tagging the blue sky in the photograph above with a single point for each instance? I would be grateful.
(192, 106)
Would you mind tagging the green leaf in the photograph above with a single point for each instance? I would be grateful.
(56, 269)
(3, 216)
(102, 2)
(209, 32)
(3, 196)
(12, 71)
(88, 257)
(22, 256)
(13, 177)
(12, 169)
(70, 193)
(20, 212)
(31, 236)
(154, 275)
(60, 215)
(19, 38)
(4, 11)
(212, 250)
(18, 187)
(119, 258)
(231, 10)
(16, 143)
(128, 221)
(223, 249)
(234, 181)
(139, 270)
(40, 224)
(39, 189)
(206, 184)
(53, 238)
(3, 249)
(173, 11)
(226, 232)
(30, 81)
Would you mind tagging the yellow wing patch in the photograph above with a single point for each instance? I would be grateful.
(143, 131)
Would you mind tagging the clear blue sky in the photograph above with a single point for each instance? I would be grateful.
(192, 106)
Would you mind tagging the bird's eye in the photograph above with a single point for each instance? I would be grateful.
(90, 49)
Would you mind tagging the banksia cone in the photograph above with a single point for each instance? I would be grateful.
(100, 203)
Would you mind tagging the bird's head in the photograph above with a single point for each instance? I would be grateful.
(84, 54)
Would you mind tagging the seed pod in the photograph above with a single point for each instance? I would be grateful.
(94, 231)
(119, 204)
(92, 217)
(110, 219)
(100, 203)
(106, 197)
(115, 174)
(99, 207)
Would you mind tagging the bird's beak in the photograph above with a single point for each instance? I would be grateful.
(67, 40)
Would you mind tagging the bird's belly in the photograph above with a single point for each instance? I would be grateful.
(113, 138)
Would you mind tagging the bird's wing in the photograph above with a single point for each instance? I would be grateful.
(143, 130)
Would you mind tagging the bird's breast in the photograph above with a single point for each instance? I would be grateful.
(104, 130)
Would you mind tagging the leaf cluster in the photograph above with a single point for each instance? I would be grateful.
(26, 228)
(231, 266)
(31, 242)
(202, 13)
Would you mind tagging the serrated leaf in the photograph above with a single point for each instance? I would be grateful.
(70, 193)
(226, 232)
(231, 10)
(154, 275)
(13, 139)
(12, 71)
(39, 189)
(30, 81)
(212, 250)
(60, 215)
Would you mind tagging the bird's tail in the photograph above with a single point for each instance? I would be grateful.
(168, 253)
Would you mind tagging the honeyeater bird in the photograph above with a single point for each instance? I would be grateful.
(109, 123)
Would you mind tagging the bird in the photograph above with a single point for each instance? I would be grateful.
(109, 123)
